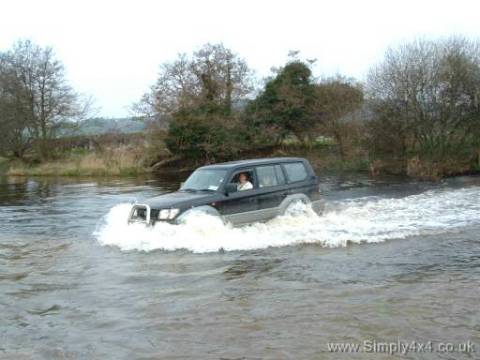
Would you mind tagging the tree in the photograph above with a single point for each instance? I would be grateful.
(35, 92)
(213, 77)
(424, 98)
(338, 100)
(198, 94)
(224, 77)
(286, 105)
(206, 136)
(14, 141)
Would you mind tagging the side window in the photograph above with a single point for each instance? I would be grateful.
(266, 176)
(295, 171)
(244, 180)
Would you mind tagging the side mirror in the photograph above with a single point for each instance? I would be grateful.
(230, 188)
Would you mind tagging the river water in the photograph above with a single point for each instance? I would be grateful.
(389, 262)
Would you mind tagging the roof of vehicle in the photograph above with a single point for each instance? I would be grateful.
(251, 162)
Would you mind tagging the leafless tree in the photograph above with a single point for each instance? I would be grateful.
(34, 88)
(338, 102)
(425, 96)
(211, 75)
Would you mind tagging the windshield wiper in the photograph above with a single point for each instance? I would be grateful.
(189, 190)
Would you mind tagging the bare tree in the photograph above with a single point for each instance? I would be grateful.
(425, 97)
(34, 80)
(338, 101)
(213, 75)
(14, 141)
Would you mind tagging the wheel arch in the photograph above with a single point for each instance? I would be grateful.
(206, 209)
(291, 199)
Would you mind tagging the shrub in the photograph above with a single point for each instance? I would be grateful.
(206, 136)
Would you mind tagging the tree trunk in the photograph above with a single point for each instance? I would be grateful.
(165, 162)
(229, 90)
(43, 142)
(341, 148)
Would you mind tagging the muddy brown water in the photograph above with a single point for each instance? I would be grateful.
(390, 261)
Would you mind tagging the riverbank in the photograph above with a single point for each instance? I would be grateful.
(121, 161)
(131, 161)
(137, 158)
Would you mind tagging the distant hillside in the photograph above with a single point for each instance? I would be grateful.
(95, 126)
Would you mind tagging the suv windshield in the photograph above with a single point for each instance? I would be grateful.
(205, 179)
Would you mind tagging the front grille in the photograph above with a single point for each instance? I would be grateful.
(154, 214)
(140, 213)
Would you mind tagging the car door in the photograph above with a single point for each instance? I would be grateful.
(272, 189)
(240, 206)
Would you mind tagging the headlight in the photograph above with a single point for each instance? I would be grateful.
(168, 214)
(163, 214)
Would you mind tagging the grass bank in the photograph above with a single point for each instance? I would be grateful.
(130, 161)
(119, 161)
(136, 157)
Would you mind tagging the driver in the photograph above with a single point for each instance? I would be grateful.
(244, 184)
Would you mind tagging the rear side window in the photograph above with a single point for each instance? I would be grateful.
(266, 176)
(295, 171)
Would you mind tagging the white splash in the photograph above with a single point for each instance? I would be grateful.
(365, 220)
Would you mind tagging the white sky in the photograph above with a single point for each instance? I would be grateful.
(112, 49)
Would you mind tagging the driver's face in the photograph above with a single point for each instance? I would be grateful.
(242, 178)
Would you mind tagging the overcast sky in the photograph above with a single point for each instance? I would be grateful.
(112, 49)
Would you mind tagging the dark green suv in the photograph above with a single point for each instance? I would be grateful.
(239, 192)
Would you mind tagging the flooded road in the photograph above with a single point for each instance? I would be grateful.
(389, 261)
